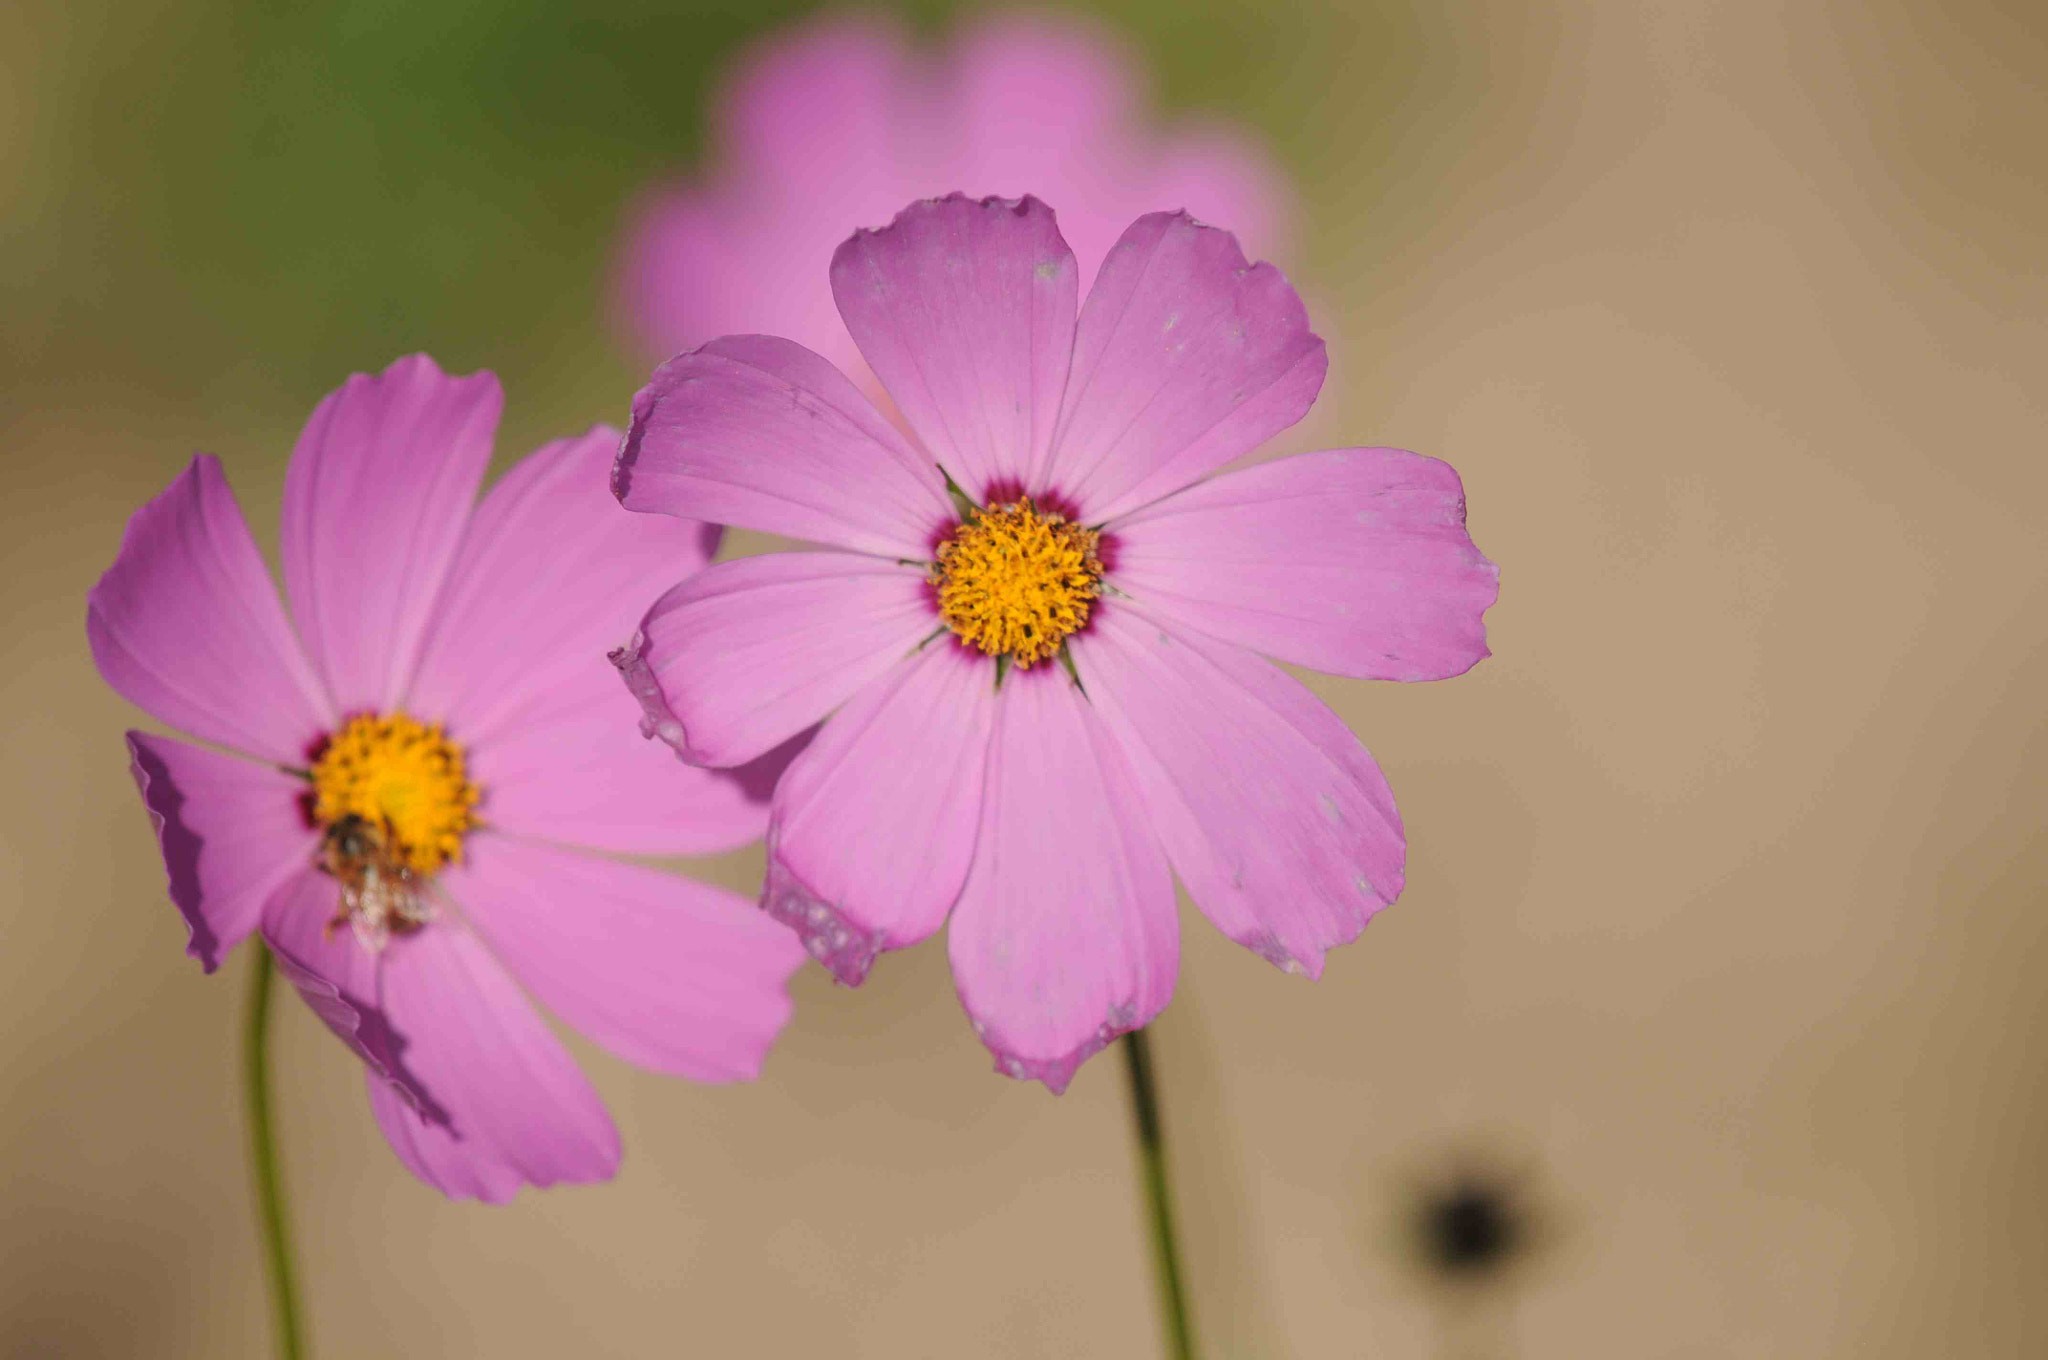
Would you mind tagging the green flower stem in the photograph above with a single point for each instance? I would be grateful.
(270, 1208)
(1173, 1301)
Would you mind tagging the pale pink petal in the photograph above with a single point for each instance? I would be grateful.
(1049, 105)
(1272, 812)
(665, 972)
(187, 627)
(336, 975)
(760, 432)
(230, 830)
(1065, 935)
(375, 500)
(874, 824)
(501, 1094)
(965, 311)
(741, 657)
(1185, 358)
(1354, 561)
(1219, 175)
(813, 113)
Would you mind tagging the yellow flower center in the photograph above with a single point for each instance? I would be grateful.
(405, 781)
(1016, 581)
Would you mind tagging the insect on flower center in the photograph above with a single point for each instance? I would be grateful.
(405, 779)
(1016, 581)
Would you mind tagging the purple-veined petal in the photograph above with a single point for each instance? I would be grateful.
(1354, 561)
(186, 626)
(231, 831)
(379, 488)
(1065, 934)
(1273, 814)
(669, 973)
(739, 658)
(760, 432)
(502, 1094)
(874, 824)
(965, 311)
(1185, 358)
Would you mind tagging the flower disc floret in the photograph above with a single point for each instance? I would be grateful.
(1017, 581)
(404, 777)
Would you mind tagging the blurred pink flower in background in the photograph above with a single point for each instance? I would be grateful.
(418, 761)
(838, 123)
(1038, 612)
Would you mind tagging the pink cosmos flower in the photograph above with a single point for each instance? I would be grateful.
(1037, 622)
(844, 120)
(419, 764)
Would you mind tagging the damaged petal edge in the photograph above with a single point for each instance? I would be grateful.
(1056, 1073)
(657, 719)
(845, 949)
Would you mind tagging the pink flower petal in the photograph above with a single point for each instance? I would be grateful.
(762, 433)
(1217, 174)
(504, 1103)
(1354, 561)
(811, 113)
(1028, 96)
(514, 663)
(332, 971)
(1065, 934)
(549, 575)
(965, 311)
(1185, 358)
(741, 657)
(665, 972)
(874, 825)
(186, 626)
(231, 831)
(577, 776)
(813, 137)
(458, 1168)
(1272, 812)
(379, 489)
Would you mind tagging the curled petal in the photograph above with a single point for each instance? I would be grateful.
(231, 831)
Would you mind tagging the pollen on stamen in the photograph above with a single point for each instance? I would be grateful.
(405, 779)
(1017, 581)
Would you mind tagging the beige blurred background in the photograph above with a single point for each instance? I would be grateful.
(1725, 924)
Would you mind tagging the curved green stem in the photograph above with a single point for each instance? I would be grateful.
(270, 1210)
(1173, 1302)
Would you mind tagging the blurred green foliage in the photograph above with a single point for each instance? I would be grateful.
(238, 202)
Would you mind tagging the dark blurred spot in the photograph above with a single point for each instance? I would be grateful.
(1470, 1228)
